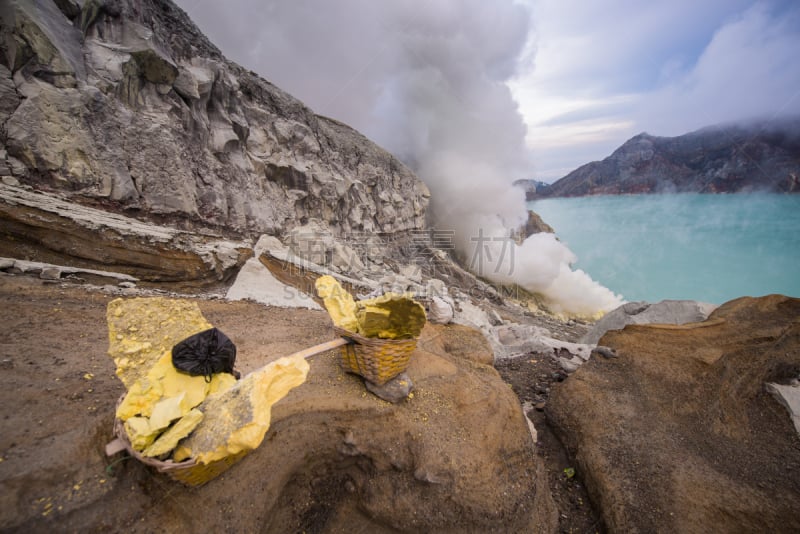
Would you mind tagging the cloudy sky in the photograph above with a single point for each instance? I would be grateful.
(584, 76)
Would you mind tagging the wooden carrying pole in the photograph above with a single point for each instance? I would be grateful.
(322, 347)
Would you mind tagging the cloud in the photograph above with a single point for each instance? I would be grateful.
(749, 69)
(604, 73)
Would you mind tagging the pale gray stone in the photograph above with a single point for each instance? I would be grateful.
(664, 312)
(789, 397)
(255, 282)
(186, 85)
(440, 311)
(50, 273)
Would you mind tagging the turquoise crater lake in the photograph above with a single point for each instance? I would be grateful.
(711, 248)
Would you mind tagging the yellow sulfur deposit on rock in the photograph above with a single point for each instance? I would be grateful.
(141, 330)
(164, 381)
(390, 316)
(168, 410)
(339, 303)
(139, 432)
(237, 419)
(169, 439)
(160, 399)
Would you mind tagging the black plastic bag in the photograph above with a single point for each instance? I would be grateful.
(204, 354)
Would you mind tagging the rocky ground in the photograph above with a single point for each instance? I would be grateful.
(677, 431)
(532, 378)
(59, 388)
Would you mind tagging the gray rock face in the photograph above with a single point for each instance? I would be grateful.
(142, 112)
(664, 312)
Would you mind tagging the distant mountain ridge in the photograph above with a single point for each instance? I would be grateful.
(763, 156)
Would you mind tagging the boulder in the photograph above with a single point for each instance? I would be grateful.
(678, 433)
(664, 312)
(533, 225)
(440, 311)
(255, 282)
(312, 241)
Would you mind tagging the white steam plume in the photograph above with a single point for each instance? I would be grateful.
(427, 80)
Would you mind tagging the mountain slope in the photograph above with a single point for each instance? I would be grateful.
(720, 159)
(124, 103)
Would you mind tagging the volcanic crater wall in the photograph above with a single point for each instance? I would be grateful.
(125, 103)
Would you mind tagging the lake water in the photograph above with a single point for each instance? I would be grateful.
(711, 248)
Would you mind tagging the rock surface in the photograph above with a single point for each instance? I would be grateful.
(130, 105)
(719, 159)
(640, 312)
(534, 225)
(255, 282)
(678, 433)
(48, 228)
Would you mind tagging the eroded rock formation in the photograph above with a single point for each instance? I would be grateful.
(679, 432)
(127, 103)
(47, 227)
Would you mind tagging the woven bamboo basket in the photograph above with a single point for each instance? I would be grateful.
(188, 472)
(377, 360)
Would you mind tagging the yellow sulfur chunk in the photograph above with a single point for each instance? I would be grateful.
(339, 303)
(221, 382)
(373, 321)
(141, 330)
(390, 316)
(237, 419)
(163, 380)
(140, 399)
(169, 439)
(139, 432)
(167, 410)
(174, 382)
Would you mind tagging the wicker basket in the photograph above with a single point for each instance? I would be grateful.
(377, 360)
(188, 472)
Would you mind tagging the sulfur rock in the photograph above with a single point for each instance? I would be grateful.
(141, 330)
(159, 408)
(140, 399)
(339, 303)
(237, 419)
(169, 439)
(139, 432)
(167, 410)
(163, 380)
(390, 316)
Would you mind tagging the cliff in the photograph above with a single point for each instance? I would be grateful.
(721, 159)
(126, 105)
